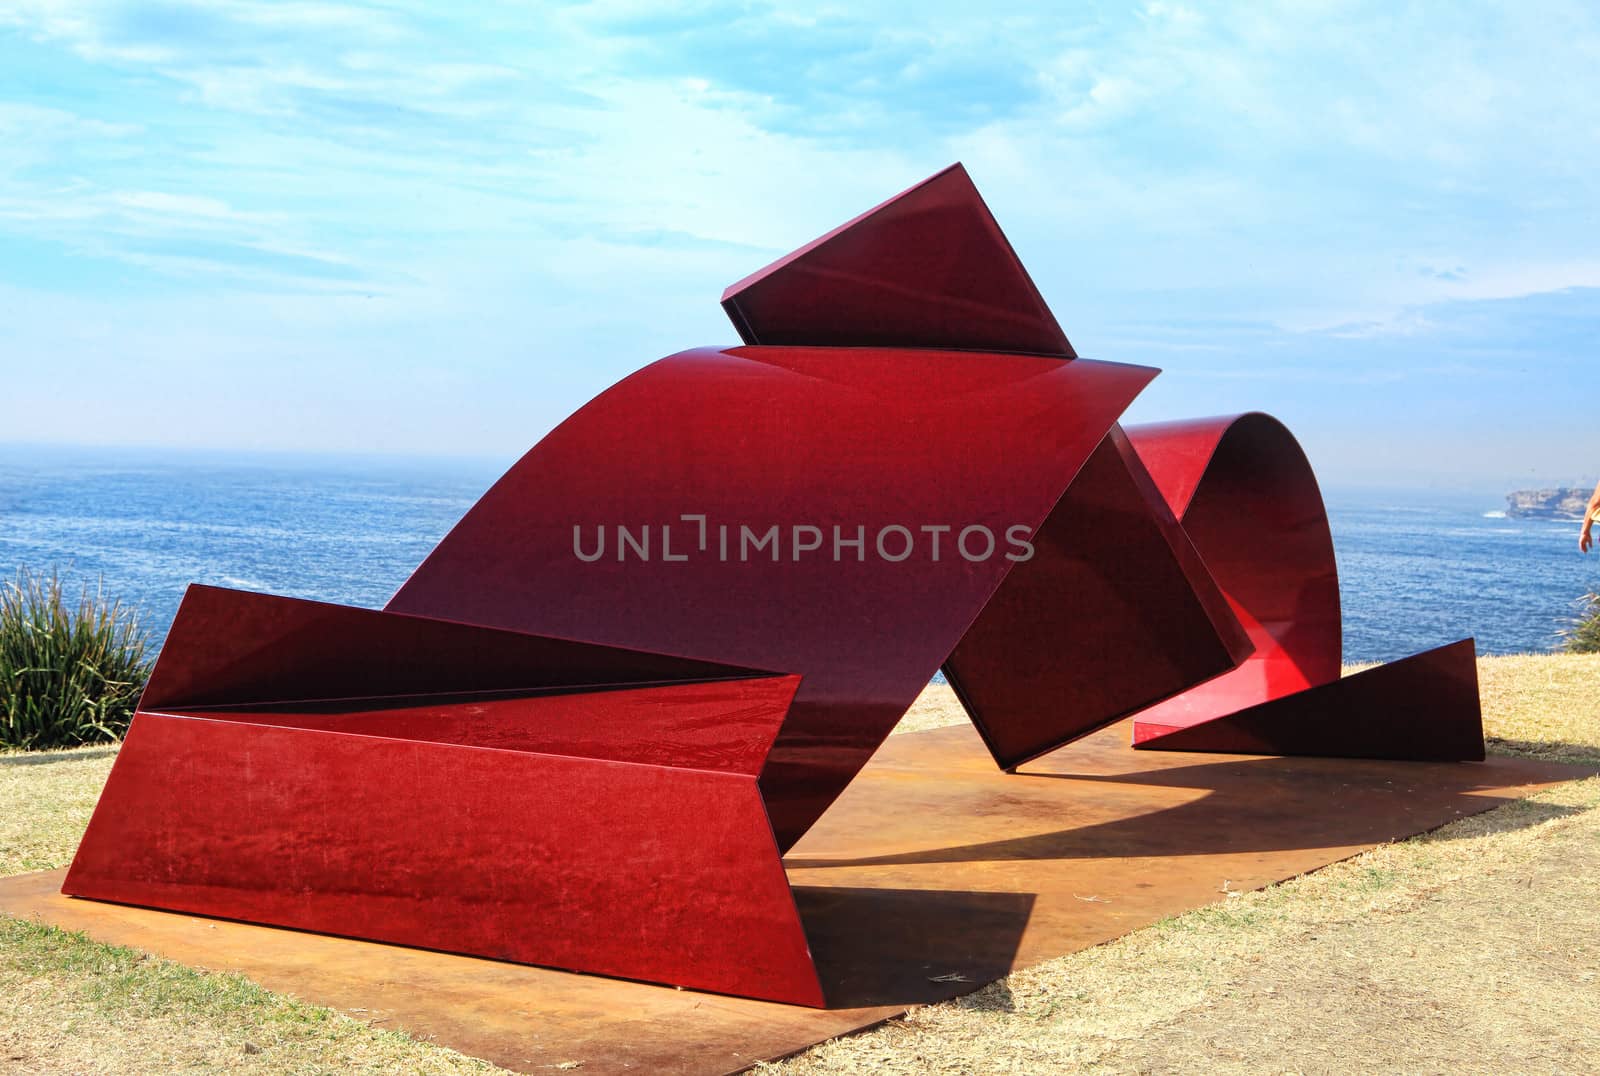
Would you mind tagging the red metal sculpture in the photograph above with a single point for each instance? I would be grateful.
(650, 657)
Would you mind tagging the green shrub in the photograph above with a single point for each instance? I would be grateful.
(68, 676)
(1583, 635)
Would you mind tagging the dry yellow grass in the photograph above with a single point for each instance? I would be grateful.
(69, 1005)
(1470, 949)
(1543, 705)
(45, 802)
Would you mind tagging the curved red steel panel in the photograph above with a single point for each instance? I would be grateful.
(806, 445)
(1245, 493)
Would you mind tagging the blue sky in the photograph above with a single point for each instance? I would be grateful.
(440, 228)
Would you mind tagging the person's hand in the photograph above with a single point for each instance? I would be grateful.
(1584, 541)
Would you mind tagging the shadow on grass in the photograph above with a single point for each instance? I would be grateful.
(45, 758)
(1513, 816)
(1578, 754)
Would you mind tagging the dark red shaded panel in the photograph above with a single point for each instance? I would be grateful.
(230, 647)
(1423, 708)
(646, 872)
(1114, 611)
(783, 437)
(723, 725)
(928, 268)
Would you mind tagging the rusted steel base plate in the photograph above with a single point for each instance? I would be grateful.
(933, 874)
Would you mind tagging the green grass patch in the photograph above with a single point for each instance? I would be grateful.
(70, 671)
(1582, 635)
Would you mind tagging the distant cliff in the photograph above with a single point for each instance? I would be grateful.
(1564, 503)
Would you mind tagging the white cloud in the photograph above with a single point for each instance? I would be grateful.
(177, 204)
(505, 173)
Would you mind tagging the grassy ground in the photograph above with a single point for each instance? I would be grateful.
(1470, 949)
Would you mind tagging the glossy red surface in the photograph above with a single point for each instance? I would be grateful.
(541, 818)
(854, 438)
(543, 859)
(1423, 708)
(928, 268)
(1245, 494)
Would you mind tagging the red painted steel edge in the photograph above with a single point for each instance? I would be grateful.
(722, 726)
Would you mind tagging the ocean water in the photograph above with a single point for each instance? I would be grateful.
(144, 525)
(1417, 568)
(1421, 568)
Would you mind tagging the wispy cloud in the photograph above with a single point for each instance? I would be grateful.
(549, 195)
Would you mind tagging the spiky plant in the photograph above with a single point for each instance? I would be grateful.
(68, 675)
(1582, 636)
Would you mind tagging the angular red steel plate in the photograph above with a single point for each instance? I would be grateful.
(454, 787)
(234, 647)
(856, 439)
(640, 871)
(1114, 611)
(1424, 707)
(933, 873)
(724, 726)
(928, 268)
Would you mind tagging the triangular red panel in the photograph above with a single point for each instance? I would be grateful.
(928, 268)
(1421, 708)
(232, 647)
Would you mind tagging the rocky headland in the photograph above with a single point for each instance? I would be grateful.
(1562, 503)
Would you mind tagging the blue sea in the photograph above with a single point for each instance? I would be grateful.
(1417, 568)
